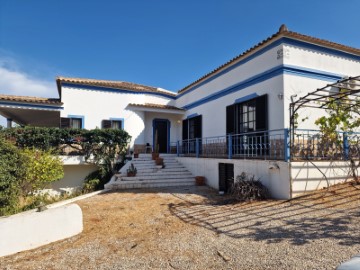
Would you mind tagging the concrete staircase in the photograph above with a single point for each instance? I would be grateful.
(149, 175)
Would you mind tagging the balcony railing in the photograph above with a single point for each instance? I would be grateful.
(268, 144)
(274, 145)
(311, 144)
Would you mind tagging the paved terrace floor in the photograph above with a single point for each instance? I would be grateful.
(194, 228)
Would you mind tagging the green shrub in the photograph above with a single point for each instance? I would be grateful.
(42, 168)
(12, 169)
(90, 185)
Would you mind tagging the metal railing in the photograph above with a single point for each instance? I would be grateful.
(311, 144)
(270, 144)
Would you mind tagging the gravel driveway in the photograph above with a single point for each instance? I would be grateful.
(194, 228)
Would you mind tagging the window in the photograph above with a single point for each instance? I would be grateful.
(192, 129)
(246, 121)
(71, 122)
(113, 124)
(247, 116)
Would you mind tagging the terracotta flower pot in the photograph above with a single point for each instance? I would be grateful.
(159, 161)
(200, 180)
(136, 155)
(155, 156)
(131, 174)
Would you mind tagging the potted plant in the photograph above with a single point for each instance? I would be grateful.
(159, 161)
(131, 171)
(200, 180)
(155, 153)
(136, 154)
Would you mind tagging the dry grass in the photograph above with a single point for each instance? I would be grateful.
(195, 229)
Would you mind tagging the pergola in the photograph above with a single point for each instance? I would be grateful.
(345, 92)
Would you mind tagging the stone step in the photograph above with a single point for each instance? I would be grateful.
(164, 170)
(153, 166)
(151, 184)
(149, 175)
(156, 177)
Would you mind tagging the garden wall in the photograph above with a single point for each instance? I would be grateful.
(32, 229)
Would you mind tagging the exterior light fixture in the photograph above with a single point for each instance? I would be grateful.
(280, 96)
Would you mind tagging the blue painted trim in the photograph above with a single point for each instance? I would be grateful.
(197, 147)
(246, 98)
(311, 73)
(32, 106)
(346, 146)
(230, 147)
(192, 115)
(285, 41)
(266, 75)
(112, 90)
(119, 119)
(78, 116)
(287, 145)
(168, 131)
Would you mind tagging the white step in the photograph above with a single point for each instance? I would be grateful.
(149, 175)
(152, 184)
(157, 177)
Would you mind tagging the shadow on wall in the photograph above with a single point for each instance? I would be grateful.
(308, 176)
(325, 215)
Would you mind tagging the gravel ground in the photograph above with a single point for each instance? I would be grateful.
(194, 228)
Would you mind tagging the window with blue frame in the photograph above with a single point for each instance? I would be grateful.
(71, 122)
(112, 124)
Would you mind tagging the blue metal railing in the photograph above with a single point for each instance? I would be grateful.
(274, 145)
(311, 144)
(270, 144)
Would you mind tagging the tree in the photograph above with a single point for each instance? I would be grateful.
(12, 168)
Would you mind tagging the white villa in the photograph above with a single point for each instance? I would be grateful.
(235, 118)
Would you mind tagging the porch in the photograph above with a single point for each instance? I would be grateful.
(33, 111)
(162, 126)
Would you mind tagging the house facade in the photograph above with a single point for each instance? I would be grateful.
(242, 105)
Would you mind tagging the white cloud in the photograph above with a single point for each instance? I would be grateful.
(15, 82)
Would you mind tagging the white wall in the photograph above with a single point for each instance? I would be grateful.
(73, 180)
(314, 59)
(96, 106)
(32, 229)
(306, 177)
(175, 128)
(257, 65)
(276, 180)
(301, 85)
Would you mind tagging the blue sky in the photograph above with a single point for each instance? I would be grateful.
(160, 43)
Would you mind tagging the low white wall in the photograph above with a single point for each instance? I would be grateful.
(306, 177)
(73, 179)
(32, 229)
(275, 175)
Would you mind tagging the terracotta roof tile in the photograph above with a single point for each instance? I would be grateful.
(113, 84)
(52, 101)
(283, 32)
(156, 106)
